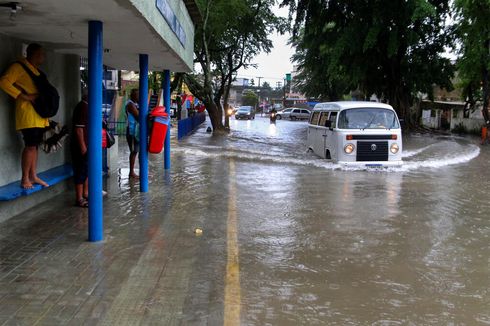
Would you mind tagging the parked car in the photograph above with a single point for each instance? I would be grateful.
(245, 112)
(294, 114)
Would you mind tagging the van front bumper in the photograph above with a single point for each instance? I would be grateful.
(371, 164)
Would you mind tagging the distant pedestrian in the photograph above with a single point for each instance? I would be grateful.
(79, 150)
(132, 114)
(18, 83)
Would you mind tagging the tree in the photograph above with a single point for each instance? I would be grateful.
(224, 45)
(249, 98)
(266, 86)
(388, 47)
(473, 32)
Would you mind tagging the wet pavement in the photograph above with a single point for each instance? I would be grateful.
(288, 239)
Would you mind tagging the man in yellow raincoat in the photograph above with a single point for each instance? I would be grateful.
(17, 83)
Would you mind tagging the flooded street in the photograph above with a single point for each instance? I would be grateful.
(323, 245)
(287, 239)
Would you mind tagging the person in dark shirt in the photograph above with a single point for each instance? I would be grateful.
(79, 150)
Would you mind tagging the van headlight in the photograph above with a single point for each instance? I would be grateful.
(394, 148)
(349, 148)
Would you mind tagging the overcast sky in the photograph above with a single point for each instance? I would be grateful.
(273, 66)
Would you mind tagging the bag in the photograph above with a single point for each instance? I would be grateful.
(110, 139)
(53, 137)
(47, 101)
(107, 137)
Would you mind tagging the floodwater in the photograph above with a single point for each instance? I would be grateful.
(318, 244)
(252, 229)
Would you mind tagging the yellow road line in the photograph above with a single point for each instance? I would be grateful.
(232, 284)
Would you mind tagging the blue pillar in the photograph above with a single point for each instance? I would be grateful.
(95, 211)
(166, 103)
(143, 120)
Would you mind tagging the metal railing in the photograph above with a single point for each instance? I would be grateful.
(186, 126)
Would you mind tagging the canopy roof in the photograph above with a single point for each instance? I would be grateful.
(130, 27)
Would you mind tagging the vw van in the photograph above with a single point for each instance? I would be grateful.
(356, 133)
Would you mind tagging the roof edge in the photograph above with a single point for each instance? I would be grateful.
(194, 11)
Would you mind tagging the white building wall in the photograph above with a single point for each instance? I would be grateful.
(63, 72)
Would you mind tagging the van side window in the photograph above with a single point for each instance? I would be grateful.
(315, 117)
(323, 119)
(333, 118)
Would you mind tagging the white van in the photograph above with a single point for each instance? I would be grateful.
(357, 133)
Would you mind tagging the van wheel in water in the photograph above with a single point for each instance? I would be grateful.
(327, 155)
(278, 117)
(293, 118)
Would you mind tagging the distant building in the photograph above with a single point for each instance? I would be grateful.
(448, 112)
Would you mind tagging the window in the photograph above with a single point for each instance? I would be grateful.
(305, 111)
(368, 118)
(323, 118)
(455, 113)
(432, 113)
(333, 119)
(315, 117)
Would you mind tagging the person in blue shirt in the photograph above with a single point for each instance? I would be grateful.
(132, 114)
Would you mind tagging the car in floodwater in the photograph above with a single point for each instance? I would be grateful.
(356, 133)
(245, 112)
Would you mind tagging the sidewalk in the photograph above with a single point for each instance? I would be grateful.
(150, 269)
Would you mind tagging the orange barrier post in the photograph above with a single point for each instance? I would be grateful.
(484, 135)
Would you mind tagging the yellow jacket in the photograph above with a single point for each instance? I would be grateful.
(15, 81)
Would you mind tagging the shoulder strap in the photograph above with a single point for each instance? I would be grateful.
(29, 71)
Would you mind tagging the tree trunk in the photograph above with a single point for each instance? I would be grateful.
(486, 89)
(226, 98)
(399, 98)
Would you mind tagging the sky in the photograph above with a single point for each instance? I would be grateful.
(273, 66)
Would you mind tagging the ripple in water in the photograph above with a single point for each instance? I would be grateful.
(448, 153)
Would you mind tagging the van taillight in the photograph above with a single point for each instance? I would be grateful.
(349, 137)
(394, 137)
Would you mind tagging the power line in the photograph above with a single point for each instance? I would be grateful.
(250, 76)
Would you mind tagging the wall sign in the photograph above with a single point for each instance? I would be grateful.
(168, 14)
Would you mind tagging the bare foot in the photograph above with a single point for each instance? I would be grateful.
(39, 181)
(134, 176)
(26, 184)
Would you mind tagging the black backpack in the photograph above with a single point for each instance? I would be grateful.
(47, 101)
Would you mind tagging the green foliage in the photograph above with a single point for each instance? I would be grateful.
(390, 48)
(266, 85)
(250, 98)
(473, 31)
(233, 32)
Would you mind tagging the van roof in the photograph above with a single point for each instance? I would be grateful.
(342, 105)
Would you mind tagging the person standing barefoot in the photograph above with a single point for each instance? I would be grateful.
(17, 83)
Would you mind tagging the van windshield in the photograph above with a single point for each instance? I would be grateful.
(368, 118)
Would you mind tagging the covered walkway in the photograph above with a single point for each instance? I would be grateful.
(150, 269)
(121, 34)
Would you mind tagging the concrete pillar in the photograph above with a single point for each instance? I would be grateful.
(95, 209)
(143, 121)
(167, 104)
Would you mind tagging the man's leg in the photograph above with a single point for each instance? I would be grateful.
(26, 163)
(132, 161)
(33, 174)
(85, 189)
(79, 192)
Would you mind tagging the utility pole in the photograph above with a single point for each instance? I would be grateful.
(259, 78)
